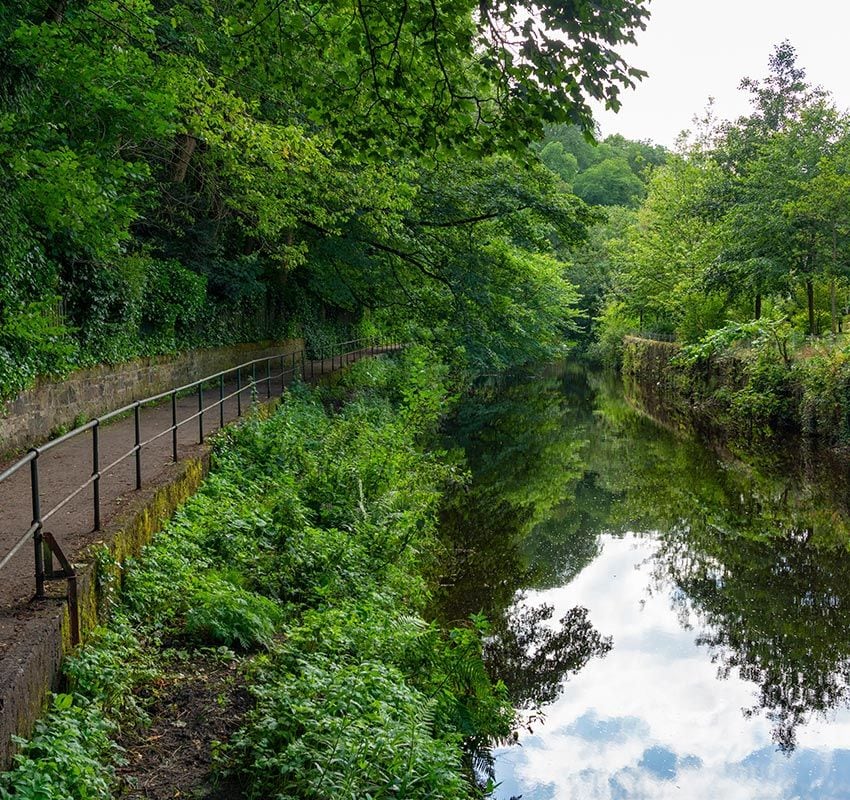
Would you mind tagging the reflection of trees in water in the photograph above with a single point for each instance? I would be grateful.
(761, 560)
(526, 462)
(758, 556)
(561, 546)
(776, 612)
(532, 657)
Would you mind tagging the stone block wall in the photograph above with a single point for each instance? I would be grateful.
(34, 415)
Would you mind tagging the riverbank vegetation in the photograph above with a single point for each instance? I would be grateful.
(739, 252)
(302, 565)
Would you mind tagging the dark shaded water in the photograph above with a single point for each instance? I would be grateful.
(679, 618)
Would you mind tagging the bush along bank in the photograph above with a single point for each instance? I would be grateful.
(748, 380)
(301, 567)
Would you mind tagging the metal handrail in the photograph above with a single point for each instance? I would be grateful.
(290, 365)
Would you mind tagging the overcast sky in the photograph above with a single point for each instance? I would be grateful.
(694, 49)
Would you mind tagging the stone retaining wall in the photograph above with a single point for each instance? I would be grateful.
(30, 668)
(34, 415)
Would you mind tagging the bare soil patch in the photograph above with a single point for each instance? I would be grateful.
(199, 702)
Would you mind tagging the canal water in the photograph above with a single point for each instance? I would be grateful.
(673, 621)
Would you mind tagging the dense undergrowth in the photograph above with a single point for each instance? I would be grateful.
(305, 554)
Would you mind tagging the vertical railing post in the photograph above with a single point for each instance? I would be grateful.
(282, 374)
(174, 426)
(239, 391)
(254, 382)
(38, 534)
(303, 366)
(200, 413)
(221, 401)
(95, 472)
(137, 426)
(268, 378)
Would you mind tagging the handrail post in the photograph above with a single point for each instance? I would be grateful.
(95, 472)
(174, 426)
(253, 383)
(221, 401)
(239, 391)
(137, 425)
(303, 366)
(200, 413)
(282, 374)
(269, 378)
(38, 535)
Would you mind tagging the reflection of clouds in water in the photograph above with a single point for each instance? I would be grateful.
(652, 720)
(665, 764)
(592, 728)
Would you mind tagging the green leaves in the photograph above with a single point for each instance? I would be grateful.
(328, 728)
(324, 156)
(70, 756)
(309, 543)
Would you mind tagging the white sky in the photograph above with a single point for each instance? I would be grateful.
(694, 49)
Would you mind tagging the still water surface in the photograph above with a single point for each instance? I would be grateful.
(674, 622)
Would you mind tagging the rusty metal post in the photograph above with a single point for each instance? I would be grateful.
(38, 533)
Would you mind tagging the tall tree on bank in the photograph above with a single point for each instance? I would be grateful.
(757, 252)
(755, 210)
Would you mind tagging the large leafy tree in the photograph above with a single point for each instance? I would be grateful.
(267, 146)
(753, 210)
(439, 72)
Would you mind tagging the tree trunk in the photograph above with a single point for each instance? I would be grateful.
(758, 305)
(810, 295)
(833, 306)
(184, 147)
(56, 11)
(833, 300)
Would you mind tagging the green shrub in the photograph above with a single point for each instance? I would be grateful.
(346, 731)
(111, 668)
(69, 757)
(223, 613)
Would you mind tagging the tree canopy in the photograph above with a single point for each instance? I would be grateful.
(746, 220)
(177, 173)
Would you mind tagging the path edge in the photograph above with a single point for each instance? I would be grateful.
(30, 669)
